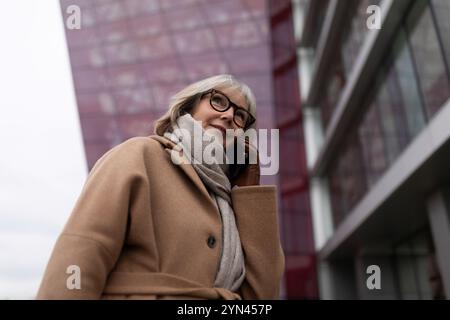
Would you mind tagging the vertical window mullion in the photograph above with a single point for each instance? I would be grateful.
(439, 36)
(416, 72)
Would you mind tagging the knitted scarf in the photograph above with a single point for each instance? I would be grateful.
(231, 271)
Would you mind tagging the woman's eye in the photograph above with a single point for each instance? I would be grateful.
(241, 115)
(219, 101)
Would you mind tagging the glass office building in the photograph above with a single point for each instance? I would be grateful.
(296, 222)
(376, 119)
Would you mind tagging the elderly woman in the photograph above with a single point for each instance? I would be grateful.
(145, 227)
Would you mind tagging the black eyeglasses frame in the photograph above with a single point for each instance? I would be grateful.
(251, 118)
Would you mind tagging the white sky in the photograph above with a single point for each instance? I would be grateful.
(42, 161)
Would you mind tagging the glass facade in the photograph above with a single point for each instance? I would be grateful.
(318, 14)
(441, 10)
(130, 56)
(393, 116)
(415, 263)
(406, 88)
(347, 179)
(297, 232)
(335, 83)
(354, 32)
(372, 145)
(430, 63)
(410, 88)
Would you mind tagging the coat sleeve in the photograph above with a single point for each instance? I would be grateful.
(94, 234)
(255, 208)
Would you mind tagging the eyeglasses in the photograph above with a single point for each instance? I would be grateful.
(221, 103)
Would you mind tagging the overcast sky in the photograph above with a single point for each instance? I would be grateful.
(42, 161)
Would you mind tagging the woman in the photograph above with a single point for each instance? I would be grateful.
(145, 227)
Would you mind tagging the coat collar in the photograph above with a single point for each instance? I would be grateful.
(187, 168)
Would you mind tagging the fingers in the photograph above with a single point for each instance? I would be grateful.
(252, 152)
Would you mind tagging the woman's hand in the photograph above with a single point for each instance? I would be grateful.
(250, 175)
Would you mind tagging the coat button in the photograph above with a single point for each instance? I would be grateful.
(211, 241)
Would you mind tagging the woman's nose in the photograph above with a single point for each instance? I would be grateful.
(227, 115)
(227, 122)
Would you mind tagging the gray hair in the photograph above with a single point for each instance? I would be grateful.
(187, 98)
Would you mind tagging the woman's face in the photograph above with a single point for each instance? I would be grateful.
(212, 119)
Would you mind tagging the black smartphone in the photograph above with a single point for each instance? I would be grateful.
(236, 168)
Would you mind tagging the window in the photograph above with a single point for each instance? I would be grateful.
(372, 145)
(355, 31)
(428, 57)
(408, 88)
(320, 10)
(392, 117)
(441, 9)
(335, 194)
(398, 100)
(335, 83)
(347, 179)
(417, 271)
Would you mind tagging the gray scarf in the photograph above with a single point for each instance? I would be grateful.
(231, 271)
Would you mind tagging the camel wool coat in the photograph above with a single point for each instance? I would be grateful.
(146, 228)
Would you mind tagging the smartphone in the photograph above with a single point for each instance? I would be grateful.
(236, 168)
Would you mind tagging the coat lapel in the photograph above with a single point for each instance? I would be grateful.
(187, 168)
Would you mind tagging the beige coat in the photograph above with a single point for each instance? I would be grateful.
(145, 228)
